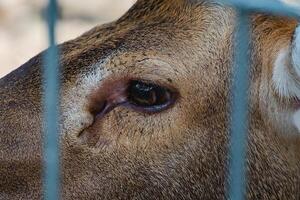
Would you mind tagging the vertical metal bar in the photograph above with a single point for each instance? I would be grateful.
(239, 109)
(51, 111)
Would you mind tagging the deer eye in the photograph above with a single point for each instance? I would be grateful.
(149, 97)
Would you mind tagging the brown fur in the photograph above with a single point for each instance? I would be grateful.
(180, 153)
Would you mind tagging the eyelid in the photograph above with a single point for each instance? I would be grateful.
(113, 93)
(172, 97)
(156, 80)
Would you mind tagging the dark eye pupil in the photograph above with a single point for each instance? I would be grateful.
(147, 95)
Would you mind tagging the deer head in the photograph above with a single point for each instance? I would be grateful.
(145, 108)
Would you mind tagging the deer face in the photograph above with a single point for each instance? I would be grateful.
(144, 105)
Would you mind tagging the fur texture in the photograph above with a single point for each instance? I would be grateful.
(180, 153)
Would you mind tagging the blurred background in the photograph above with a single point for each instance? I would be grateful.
(23, 32)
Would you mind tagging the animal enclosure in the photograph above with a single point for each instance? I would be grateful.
(239, 99)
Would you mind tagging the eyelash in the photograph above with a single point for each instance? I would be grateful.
(160, 98)
(138, 95)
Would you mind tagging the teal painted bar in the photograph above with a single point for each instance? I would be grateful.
(51, 111)
(239, 109)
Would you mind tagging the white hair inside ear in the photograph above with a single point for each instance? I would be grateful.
(296, 51)
(286, 71)
(296, 64)
(286, 74)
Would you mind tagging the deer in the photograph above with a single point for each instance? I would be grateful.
(145, 108)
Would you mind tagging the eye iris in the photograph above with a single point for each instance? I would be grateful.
(146, 95)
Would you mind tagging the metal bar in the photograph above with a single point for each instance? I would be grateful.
(239, 109)
(51, 111)
(269, 6)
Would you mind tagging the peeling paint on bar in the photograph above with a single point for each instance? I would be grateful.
(51, 111)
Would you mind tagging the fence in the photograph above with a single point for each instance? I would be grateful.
(239, 100)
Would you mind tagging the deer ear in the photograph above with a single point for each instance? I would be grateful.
(286, 76)
(296, 51)
(295, 56)
(286, 71)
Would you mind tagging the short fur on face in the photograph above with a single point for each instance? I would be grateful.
(180, 152)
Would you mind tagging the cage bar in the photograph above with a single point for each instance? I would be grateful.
(239, 109)
(51, 110)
